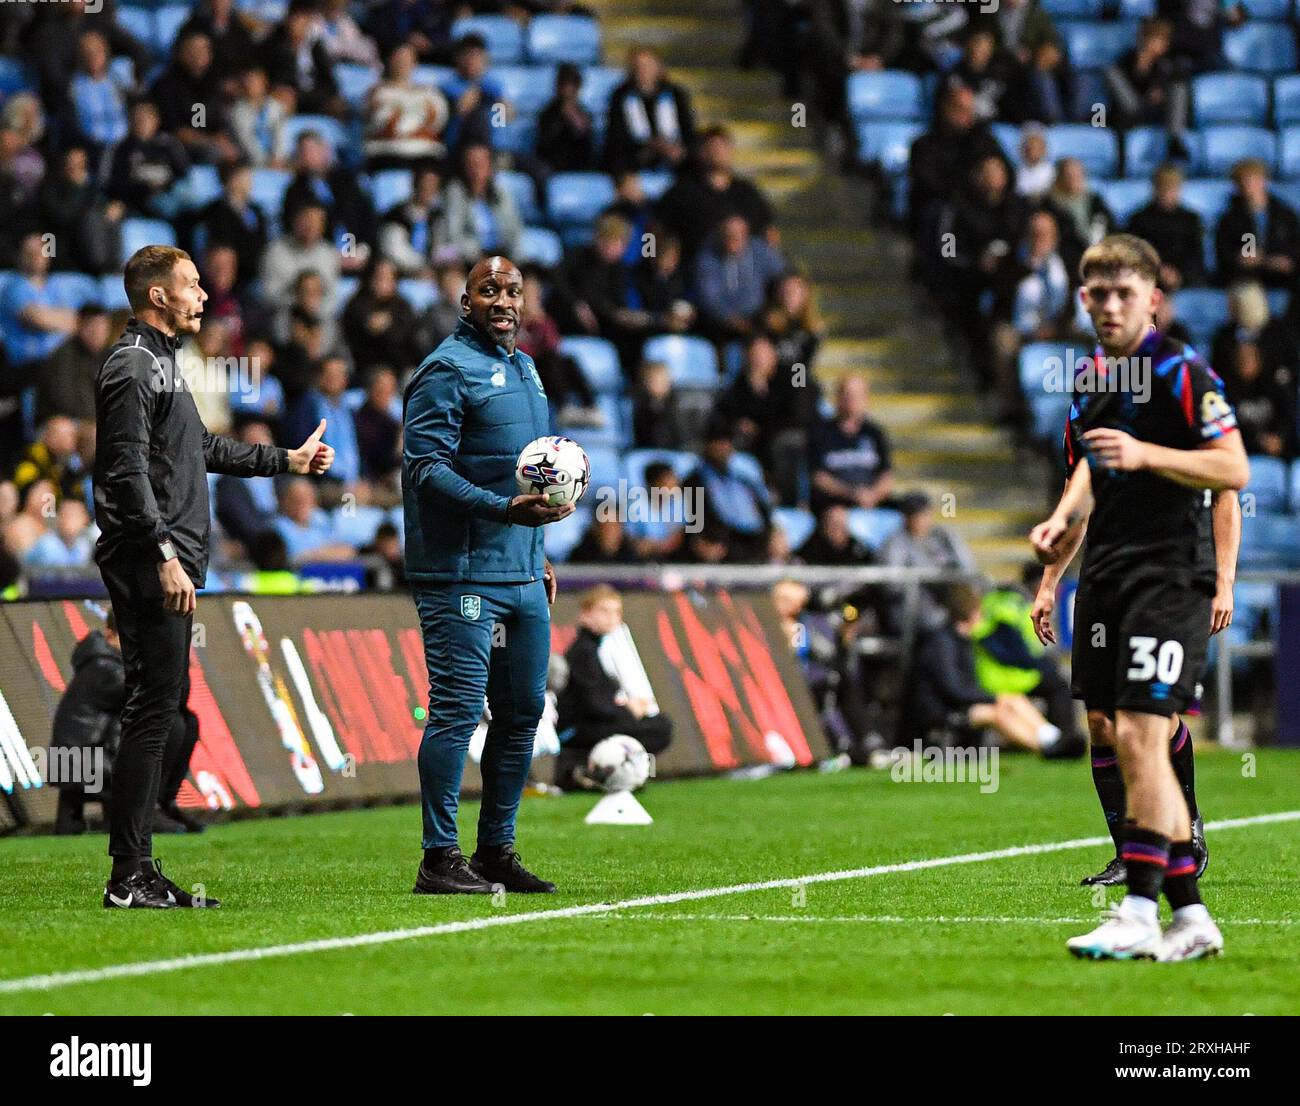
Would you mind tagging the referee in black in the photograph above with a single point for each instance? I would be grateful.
(151, 504)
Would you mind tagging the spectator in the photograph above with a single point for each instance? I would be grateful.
(234, 220)
(565, 133)
(378, 429)
(1036, 173)
(1174, 229)
(246, 508)
(387, 546)
(833, 543)
(53, 459)
(68, 543)
(39, 506)
(257, 119)
(793, 323)
(922, 544)
(408, 231)
(405, 120)
(1146, 87)
(479, 216)
(1263, 393)
(22, 122)
(1258, 236)
(263, 398)
(1198, 31)
(211, 373)
(1045, 88)
(296, 61)
(439, 319)
(754, 403)
(591, 286)
(650, 121)
(225, 304)
(659, 533)
(145, 167)
(476, 97)
(52, 42)
(325, 400)
(566, 387)
(310, 299)
(736, 507)
(231, 35)
(65, 384)
(96, 99)
(631, 205)
(191, 107)
(845, 36)
(595, 704)
(377, 322)
(656, 413)
(32, 325)
(305, 528)
(605, 543)
(696, 205)
(660, 287)
(848, 453)
(343, 39)
(72, 208)
(732, 275)
(304, 249)
(319, 179)
(986, 70)
(1022, 27)
(1081, 214)
(424, 24)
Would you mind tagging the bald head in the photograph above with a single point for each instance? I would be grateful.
(493, 299)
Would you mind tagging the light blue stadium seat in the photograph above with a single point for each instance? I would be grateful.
(873, 526)
(14, 77)
(748, 466)
(1267, 9)
(1269, 480)
(200, 186)
(390, 187)
(1268, 541)
(692, 361)
(605, 469)
(560, 538)
(888, 143)
(1047, 414)
(1223, 146)
(346, 287)
(1288, 192)
(1289, 152)
(1096, 45)
(540, 246)
(355, 82)
(75, 289)
(1041, 360)
(516, 136)
(598, 359)
(112, 293)
(796, 523)
(122, 70)
(418, 293)
(528, 88)
(139, 23)
(1278, 301)
(1008, 137)
(1286, 99)
(330, 129)
(435, 76)
(1261, 47)
(1136, 9)
(1147, 148)
(520, 187)
(144, 232)
(886, 94)
(635, 462)
(1202, 311)
(1293, 491)
(1074, 9)
(269, 187)
(168, 21)
(356, 525)
(557, 38)
(1208, 197)
(1124, 197)
(1096, 147)
(610, 435)
(655, 182)
(576, 199)
(598, 84)
(504, 37)
(1229, 98)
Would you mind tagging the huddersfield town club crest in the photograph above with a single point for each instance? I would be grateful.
(471, 606)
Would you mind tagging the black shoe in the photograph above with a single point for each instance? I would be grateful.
(1200, 850)
(1114, 873)
(137, 892)
(181, 898)
(187, 822)
(1067, 747)
(451, 875)
(502, 865)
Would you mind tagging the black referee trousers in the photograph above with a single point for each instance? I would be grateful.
(156, 653)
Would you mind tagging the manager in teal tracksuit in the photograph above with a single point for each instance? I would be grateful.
(474, 558)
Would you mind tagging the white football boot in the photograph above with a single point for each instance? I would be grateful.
(1190, 939)
(1121, 936)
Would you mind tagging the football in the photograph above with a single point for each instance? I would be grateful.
(554, 467)
(619, 763)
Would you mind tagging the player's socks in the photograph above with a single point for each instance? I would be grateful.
(125, 866)
(1146, 856)
(1110, 790)
(1196, 912)
(1184, 762)
(1180, 877)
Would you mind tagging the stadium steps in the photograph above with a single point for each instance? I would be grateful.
(877, 321)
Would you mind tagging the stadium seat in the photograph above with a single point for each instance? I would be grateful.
(1261, 47)
(1279, 299)
(635, 462)
(14, 77)
(1202, 311)
(168, 20)
(139, 23)
(1223, 146)
(598, 84)
(692, 361)
(434, 76)
(1286, 100)
(1074, 9)
(1208, 197)
(355, 82)
(1137, 9)
(521, 188)
(390, 187)
(345, 288)
(518, 136)
(418, 293)
(560, 538)
(112, 293)
(598, 360)
(122, 70)
(269, 187)
(605, 468)
(796, 523)
(610, 435)
(528, 88)
(1008, 137)
(1039, 360)
(873, 526)
(1096, 45)
(356, 525)
(1269, 479)
(1124, 197)
(328, 128)
(200, 186)
(1147, 148)
(1229, 98)
(557, 38)
(504, 38)
(886, 94)
(576, 199)
(540, 246)
(1268, 541)
(1289, 152)
(1266, 9)
(748, 466)
(76, 289)
(1288, 192)
(655, 182)
(143, 232)
(888, 143)
(1096, 147)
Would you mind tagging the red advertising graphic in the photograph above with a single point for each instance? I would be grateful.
(221, 779)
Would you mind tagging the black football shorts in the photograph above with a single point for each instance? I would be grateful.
(1140, 642)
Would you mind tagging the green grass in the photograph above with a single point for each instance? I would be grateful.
(286, 880)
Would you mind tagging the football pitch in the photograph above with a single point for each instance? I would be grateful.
(845, 893)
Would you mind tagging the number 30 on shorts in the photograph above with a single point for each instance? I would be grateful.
(1163, 659)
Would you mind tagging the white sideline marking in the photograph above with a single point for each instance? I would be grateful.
(53, 980)
(885, 919)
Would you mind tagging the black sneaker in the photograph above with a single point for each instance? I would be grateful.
(181, 898)
(451, 875)
(502, 865)
(1114, 873)
(136, 892)
(1200, 850)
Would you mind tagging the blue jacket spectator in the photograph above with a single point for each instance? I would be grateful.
(472, 93)
(32, 322)
(327, 401)
(307, 530)
(247, 508)
(731, 279)
(737, 509)
(97, 101)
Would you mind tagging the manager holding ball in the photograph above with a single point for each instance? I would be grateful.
(474, 559)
